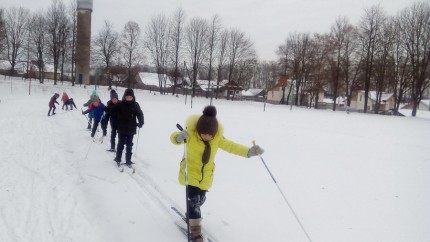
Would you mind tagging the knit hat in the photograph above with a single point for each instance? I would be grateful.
(113, 94)
(207, 123)
(94, 93)
(128, 92)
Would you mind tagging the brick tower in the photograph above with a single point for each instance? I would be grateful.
(83, 41)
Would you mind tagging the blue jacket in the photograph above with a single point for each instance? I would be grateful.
(97, 110)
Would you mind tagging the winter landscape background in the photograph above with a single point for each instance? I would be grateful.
(357, 177)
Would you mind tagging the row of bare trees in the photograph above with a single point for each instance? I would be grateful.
(381, 53)
(42, 37)
(177, 49)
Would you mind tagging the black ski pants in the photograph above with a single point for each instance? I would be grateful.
(53, 110)
(196, 198)
(114, 130)
(95, 126)
(124, 140)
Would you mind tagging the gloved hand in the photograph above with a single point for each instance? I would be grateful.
(255, 150)
(182, 136)
(140, 125)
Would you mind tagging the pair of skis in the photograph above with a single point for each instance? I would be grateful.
(130, 167)
(182, 226)
(121, 166)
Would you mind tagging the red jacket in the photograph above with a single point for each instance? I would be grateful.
(64, 98)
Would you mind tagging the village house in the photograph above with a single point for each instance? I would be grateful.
(357, 101)
(279, 91)
(231, 90)
(48, 71)
(254, 94)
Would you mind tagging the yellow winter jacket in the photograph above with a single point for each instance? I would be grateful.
(200, 175)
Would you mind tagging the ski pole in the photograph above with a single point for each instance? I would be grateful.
(137, 143)
(186, 184)
(283, 195)
(86, 118)
(97, 136)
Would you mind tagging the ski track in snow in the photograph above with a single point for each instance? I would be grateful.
(60, 186)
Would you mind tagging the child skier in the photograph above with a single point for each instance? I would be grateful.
(52, 103)
(67, 102)
(203, 136)
(127, 111)
(64, 98)
(112, 117)
(91, 115)
(97, 108)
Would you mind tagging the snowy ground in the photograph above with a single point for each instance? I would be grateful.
(356, 177)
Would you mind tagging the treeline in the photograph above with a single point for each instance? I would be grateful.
(42, 37)
(176, 48)
(381, 52)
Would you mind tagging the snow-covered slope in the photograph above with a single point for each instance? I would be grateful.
(355, 177)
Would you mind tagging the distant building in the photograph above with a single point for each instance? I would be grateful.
(48, 72)
(357, 101)
(280, 91)
(231, 90)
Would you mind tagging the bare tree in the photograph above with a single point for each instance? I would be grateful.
(369, 29)
(339, 33)
(2, 31)
(299, 44)
(57, 27)
(266, 75)
(283, 56)
(350, 62)
(38, 35)
(415, 23)
(131, 49)
(221, 58)
(65, 36)
(73, 16)
(156, 43)
(321, 46)
(245, 70)
(196, 34)
(384, 60)
(16, 20)
(402, 75)
(106, 46)
(177, 27)
(239, 48)
(213, 37)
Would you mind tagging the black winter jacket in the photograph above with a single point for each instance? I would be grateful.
(127, 112)
(110, 115)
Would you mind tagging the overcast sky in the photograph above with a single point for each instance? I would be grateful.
(267, 22)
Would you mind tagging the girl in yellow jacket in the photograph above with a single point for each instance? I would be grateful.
(203, 136)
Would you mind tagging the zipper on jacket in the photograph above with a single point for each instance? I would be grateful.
(203, 167)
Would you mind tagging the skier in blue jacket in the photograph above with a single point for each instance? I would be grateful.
(98, 108)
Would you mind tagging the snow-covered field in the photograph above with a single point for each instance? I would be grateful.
(356, 177)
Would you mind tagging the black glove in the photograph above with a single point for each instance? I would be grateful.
(139, 125)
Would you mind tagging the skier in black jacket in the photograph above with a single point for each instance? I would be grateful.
(112, 117)
(127, 111)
